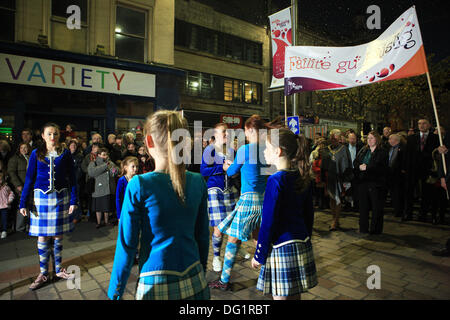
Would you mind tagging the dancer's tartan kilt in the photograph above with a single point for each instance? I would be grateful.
(221, 204)
(52, 211)
(289, 270)
(245, 217)
(192, 286)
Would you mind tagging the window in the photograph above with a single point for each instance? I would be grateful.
(59, 8)
(217, 43)
(252, 92)
(63, 38)
(7, 19)
(228, 90)
(130, 32)
(194, 82)
(209, 86)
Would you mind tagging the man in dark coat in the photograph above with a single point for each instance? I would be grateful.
(418, 164)
(396, 176)
(354, 145)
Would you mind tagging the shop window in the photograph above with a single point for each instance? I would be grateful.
(7, 20)
(130, 32)
(6, 127)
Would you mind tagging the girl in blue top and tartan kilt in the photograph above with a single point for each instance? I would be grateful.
(166, 213)
(246, 216)
(284, 242)
(222, 196)
(51, 182)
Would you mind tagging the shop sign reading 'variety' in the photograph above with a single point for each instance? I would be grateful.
(66, 75)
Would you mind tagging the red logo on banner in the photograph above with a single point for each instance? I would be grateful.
(233, 122)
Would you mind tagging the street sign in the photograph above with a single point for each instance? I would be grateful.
(294, 124)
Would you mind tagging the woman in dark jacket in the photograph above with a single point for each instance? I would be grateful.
(77, 161)
(371, 166)
(17, 171)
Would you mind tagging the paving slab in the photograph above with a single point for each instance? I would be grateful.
(408, 270)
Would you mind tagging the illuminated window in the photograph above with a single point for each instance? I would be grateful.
(228, 90)
(237, 90)
(130, 32)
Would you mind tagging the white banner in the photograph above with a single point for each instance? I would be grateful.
(66, 75)
(281, 30)
(397, 53)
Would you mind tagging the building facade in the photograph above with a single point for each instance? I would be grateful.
(171, 54)
(53, 72)
(227, 64)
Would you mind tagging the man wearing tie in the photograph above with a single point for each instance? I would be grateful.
(417, 164)
(396, 176)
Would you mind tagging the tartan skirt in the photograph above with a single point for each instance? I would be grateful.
(191, 286)
(52, 211)
(245, 217)
(289, 270)
(221, 204)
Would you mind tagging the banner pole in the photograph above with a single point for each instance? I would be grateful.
(285, 111)
(444, 165)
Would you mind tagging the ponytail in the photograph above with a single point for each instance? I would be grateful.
(161, 126)
(177, 172)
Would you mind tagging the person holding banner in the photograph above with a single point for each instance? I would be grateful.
(337, 171)
(418, 164)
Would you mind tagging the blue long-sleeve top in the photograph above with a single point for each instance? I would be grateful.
(250, 163)
(41, 175)
(173, 237)
(212, 166)
(287, 216)
(120, 194)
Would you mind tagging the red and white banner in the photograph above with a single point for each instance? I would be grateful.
(280, 27)
(397, 53)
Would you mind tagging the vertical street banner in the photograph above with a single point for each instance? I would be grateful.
(397, 53)
(281, 31)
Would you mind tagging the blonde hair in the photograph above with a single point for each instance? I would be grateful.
(335, 132)
(126, 162)
(160, 126)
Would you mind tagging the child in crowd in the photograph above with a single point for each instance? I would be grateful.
(104, 171)
(146, 162)
(6, 199)
(129, 168)
(167, 212)
(284, 242)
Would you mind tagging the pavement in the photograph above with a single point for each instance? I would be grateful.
(403, 254)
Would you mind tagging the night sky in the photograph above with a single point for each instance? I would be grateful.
(344, 21)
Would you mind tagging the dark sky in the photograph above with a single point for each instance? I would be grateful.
(344, 21)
